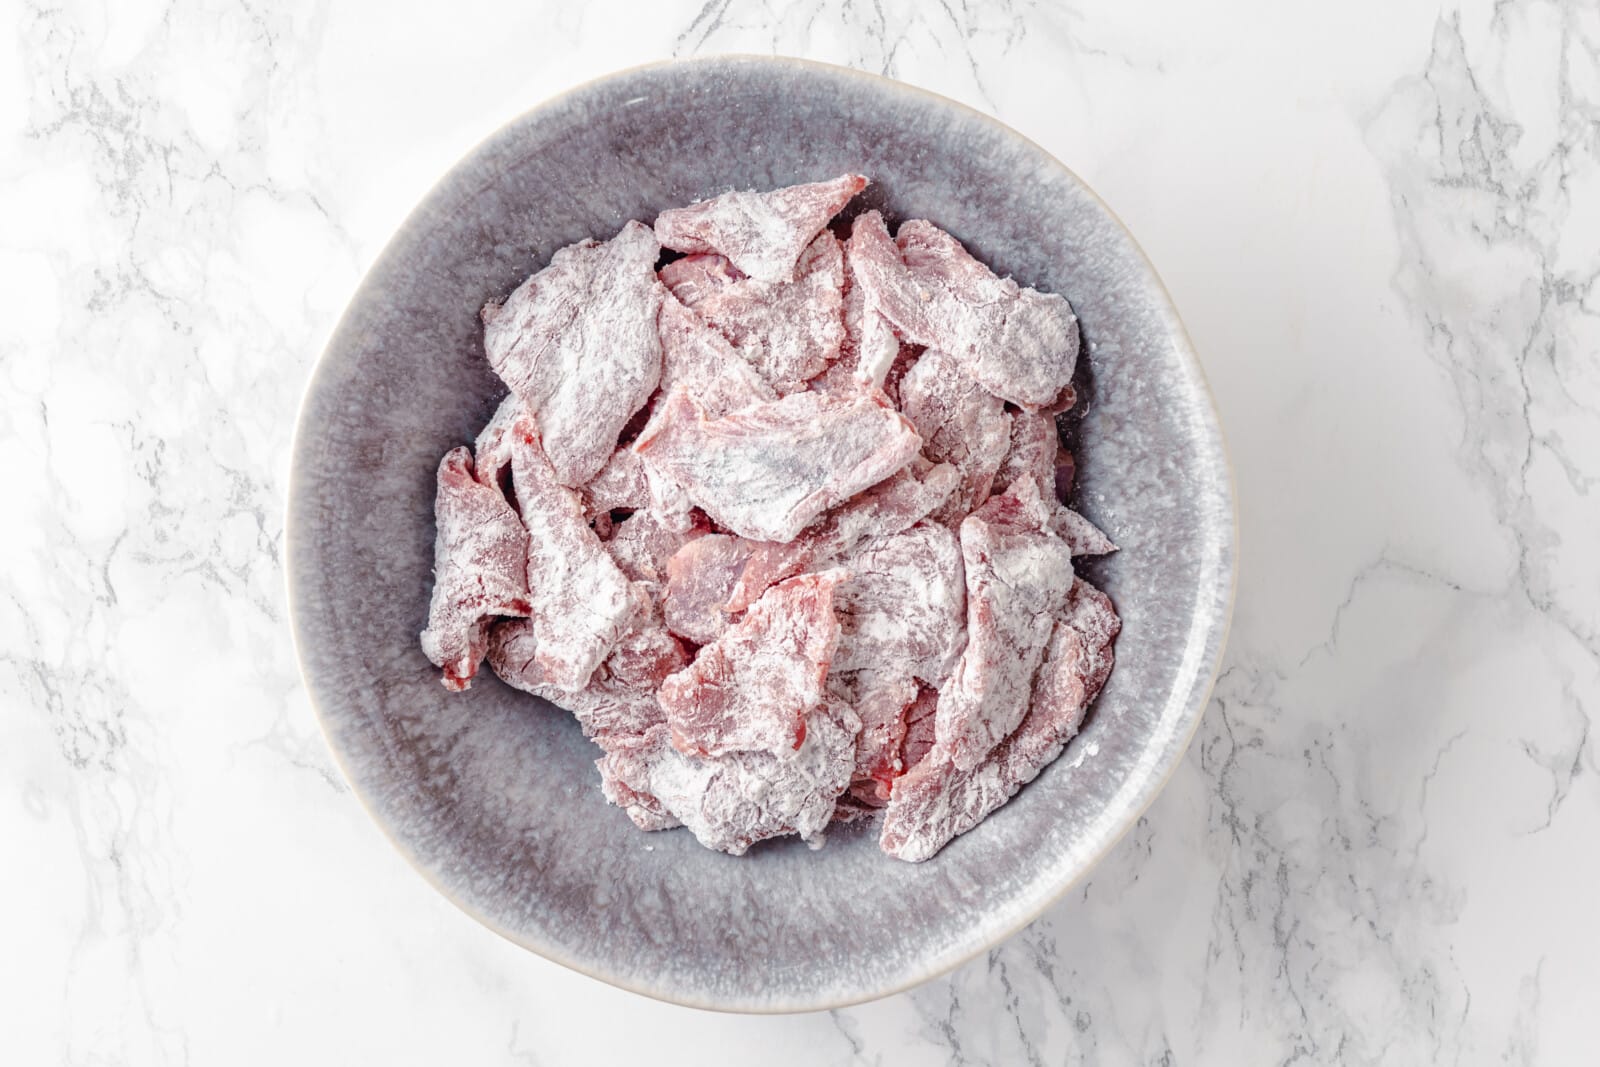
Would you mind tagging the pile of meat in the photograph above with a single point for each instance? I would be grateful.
(781, 522)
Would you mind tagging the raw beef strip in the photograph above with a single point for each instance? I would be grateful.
(709, 582)
(1020, 344)
(620, 483)
(492, 450)
(840, 379)
(903, 610)
(695, 354)
(1081, 535)
(894, 504)
(1036, 453)
(1018, 575)
(766, 564)
(1035, 442)
(870, 344)
(762, 233)
(730, 802)
(902, 617)
(880, 699)
(935, 800)
(909, 354)
(1094, 621)
(625, 770)
(480, 553)
(897, 503)
(619, 698)
(883, 285)
(789, 331)
(643, 545)
(701, 577)
(959, 422)
(582, 603)
(768, 471)
(578, 343)
(693, 278)
(752, 688)
(625, 483)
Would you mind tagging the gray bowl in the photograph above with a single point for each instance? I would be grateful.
(492, 794)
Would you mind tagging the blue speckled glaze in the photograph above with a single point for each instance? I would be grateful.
(492, 794)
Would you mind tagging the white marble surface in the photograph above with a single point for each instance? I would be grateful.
(1383, 227)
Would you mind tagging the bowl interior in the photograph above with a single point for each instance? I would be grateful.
(493, 793)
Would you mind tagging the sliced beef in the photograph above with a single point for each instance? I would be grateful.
(763, 234)
(936, 800)
(1018, 574)
(753, 688)
(480, 569)
(768, 471)
(582, 365)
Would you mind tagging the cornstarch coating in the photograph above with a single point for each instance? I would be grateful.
(769, 470)
(789, 331)
(776, 508)
(483, 570)
(582, 366)
(763, 234)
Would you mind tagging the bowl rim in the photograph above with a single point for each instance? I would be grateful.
(969, 949)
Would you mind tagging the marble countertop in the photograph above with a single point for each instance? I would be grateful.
(1382, 225)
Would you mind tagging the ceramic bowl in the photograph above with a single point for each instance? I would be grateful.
(492, 794)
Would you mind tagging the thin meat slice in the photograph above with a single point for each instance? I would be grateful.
(693, 278)
(491, 452)
(870, 343)
(717, 577)
(897, 503)
(894, 504)
(625, 771)
(1018, 575)
(768, 471)
(904, 607)
(1035, 443)
(626, 483)
(880, 699)
(643, 545)
(762, 233)
(621, 483)
(694, 354)
(480, 555)
(959, 422)
(881, 281)
(1082, 536)
(701, 577)
(582, 364)
(766, 563)
(789, 331)
(935, 800)
(1036, 454)
(840, 379)
(752, 689)
(902, 617)
(732, 801)
(582, 602)
(619, 697)
(1076, 679)
(1020, 344)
